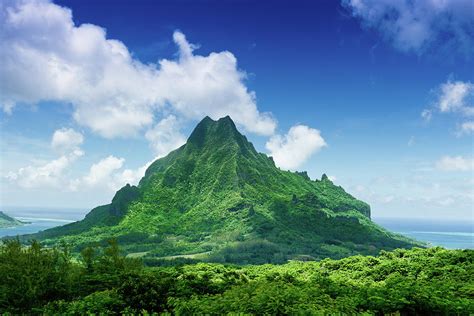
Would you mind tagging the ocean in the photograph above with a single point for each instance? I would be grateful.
(39, 219)
(450, 234)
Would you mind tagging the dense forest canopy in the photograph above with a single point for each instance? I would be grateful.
(42, 280)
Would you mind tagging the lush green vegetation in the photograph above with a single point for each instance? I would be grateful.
(430, 281)
(7, 221)
(217, 199)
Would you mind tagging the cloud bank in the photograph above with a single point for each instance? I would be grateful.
(108, 173)
(44, 56)
(165, 136)
(52, 173)
(455, 163)
(420, 25)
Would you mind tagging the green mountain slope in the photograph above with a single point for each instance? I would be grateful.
(217, 198)
(7, 221)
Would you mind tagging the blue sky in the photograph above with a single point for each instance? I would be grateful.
(377, 94)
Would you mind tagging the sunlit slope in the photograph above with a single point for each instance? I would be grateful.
(217, 197)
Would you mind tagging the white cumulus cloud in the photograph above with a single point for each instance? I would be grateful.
(101, 171)
(293, 149)
(419, 25)
(455, 163)
(66, 139)
(455, 97)
(45, 56)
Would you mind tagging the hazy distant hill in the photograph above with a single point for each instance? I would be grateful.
(216, 198)
(7, 221)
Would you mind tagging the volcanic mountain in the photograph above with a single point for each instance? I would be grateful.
(217, 199)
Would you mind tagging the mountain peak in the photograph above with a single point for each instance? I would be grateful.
(207, 122)
(226, 120)
(217, 133)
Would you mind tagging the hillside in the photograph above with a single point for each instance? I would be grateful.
(216, 198)
(7, 221)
